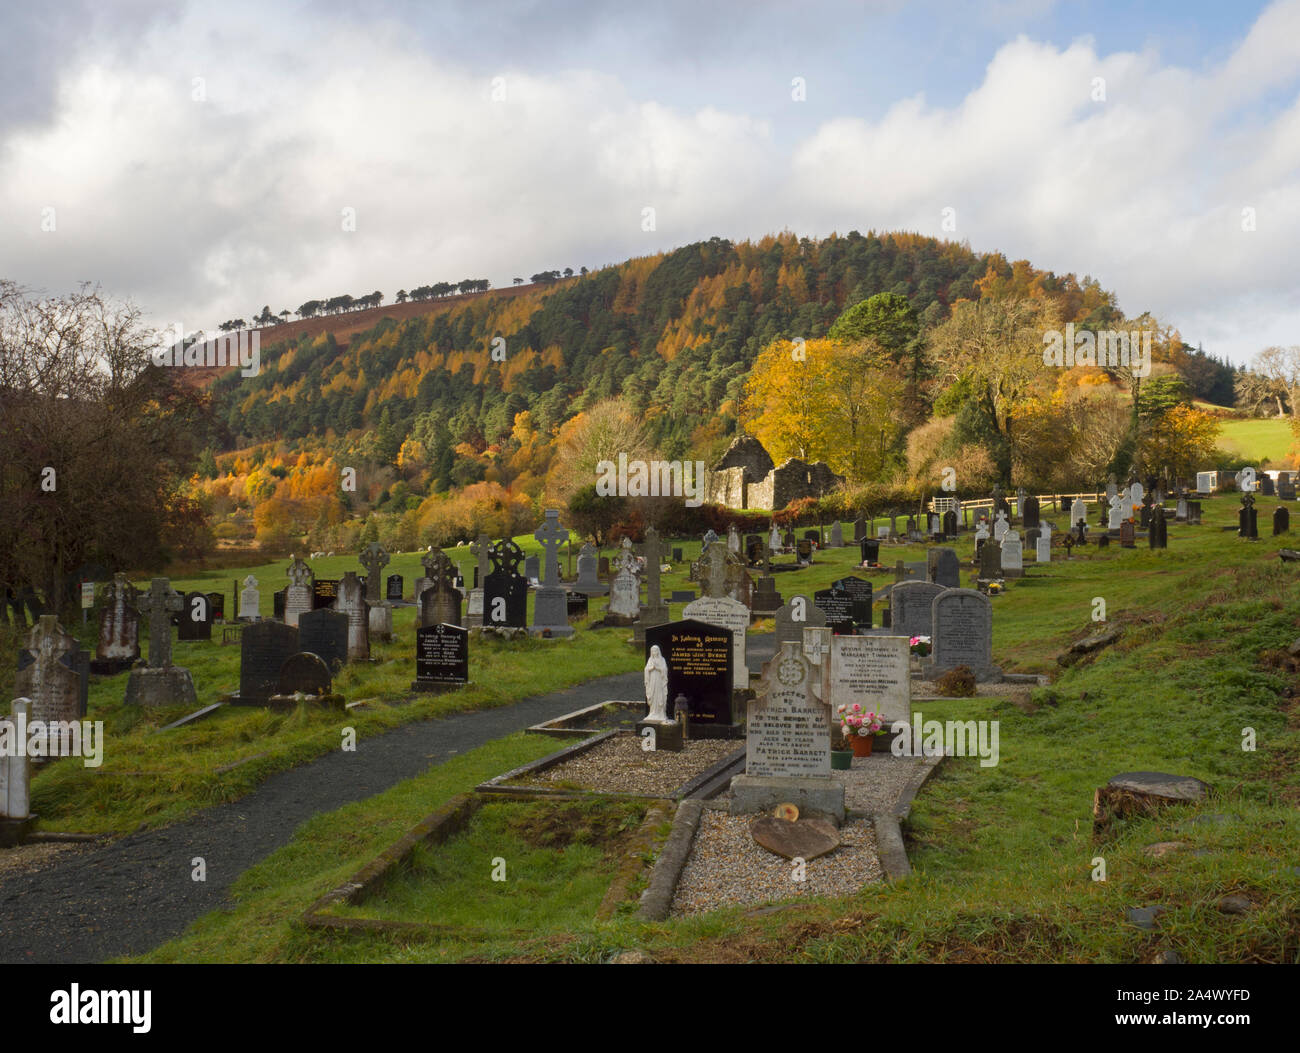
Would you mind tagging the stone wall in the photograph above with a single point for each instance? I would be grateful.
(748, 453)
(725, 486)
(737, 482)
(795, 479)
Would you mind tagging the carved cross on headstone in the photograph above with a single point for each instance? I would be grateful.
(299, 573)
(900, 571)
(438, 568)
(550, 535)
(482, 551)
(374, 559)
(653, 552)
(625, 558)
(506, 556)
(160, 603)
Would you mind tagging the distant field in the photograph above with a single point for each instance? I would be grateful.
(1258, 440)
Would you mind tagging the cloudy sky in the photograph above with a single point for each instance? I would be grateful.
(199, 158)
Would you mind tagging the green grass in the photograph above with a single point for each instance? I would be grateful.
(1265, 443)
(1003, 856)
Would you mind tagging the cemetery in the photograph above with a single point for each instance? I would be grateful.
(718, 763)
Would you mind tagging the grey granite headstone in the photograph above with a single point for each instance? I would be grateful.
(963, 634)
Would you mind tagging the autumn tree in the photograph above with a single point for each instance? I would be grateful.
(609, 428)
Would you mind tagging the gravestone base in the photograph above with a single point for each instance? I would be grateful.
(15, 831)
(381, 622)
(111, 666)
(668, 735)
(283, 702)
(650, 617)
(550, 613)
(755, 793)
(984, 674)
(698, 729)
(169, 686)
(436, 687)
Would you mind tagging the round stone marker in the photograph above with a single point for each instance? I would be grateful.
(304, 672)
(805, 838)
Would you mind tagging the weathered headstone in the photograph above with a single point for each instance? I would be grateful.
(119, 629)
(161, 684)
(1044, 544)
(837, 536)
(441, 657)
(588, 582)
(910, 605)
(1286, 486)
(625, 591)
(655, 611)
(304, 673)
(1247, 518)
(1013, 556)
(1281, 521)
(963, 634)
(728, 614)
(793, 617)
(990, 561)
(874, 671)
(1029, 513)
(1158, 535)
(263, 649)
(352, 602)
(15, 777)
(47, 673)
(298, 597)
(374, 557)
(1127, 533)
(481, 549)
(1078, 512)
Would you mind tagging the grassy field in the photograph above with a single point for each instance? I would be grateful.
(1265, 443)
(1004, 858)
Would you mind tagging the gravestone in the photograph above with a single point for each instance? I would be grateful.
(788, 541)
(374, 557)
(859, 530)
(803, 551)
(576, 606)
(733, 540)
(911, 607)
(441, 657)
(325, 633)
(788, 742)
(837, 605)
(677, 555)
(793, 617)
(550, 609)
(161, 684)
(728, 614)
(324, 591)
(481, 550)
(950, 524)
(218, 601)
(304, 673)
(1158, 535)
(277, 604)
(195, 618)
(393, 588)
(118, 647)
(1000, 527)
(943, 567)
(1044, 544)
(588, 582)
(1281, 521)
(874, 671)
(1118, 513)
(1127, 532)
(1013, 557)
(1247, 518)
(625, 591)
(859, 590)
(655, 611)
(1286, 486)
(963, 635)
(870, 551)
(699, 659)
(990, 561)
(298, 597)
(1267, 488)
(352, 602)
(1029, 513)
(440, 603)
(263, 650)
(532, 568)
(753, 550)
(773, 539)
(837, 536)
(249, 601)
(15, 777)
(505, 590)
(1078, 512)
(1180, 510)
(47, 674)
(1193, 513)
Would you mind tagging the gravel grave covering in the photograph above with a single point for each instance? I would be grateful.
(619, 765)
(874, 784)
(726, 868)
(28, 859)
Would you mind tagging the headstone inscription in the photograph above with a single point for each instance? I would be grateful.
(298, 597)
(860, 594)
(47, 673)
(393, 588)
(911, 606)
(963, 634)
(699, 659)
(441, 657)
(324, 591)
(874, 671)
(837, 605)
(729, 614)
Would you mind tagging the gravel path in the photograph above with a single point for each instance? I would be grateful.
(620, 765)
(135, 893)
(726, 868)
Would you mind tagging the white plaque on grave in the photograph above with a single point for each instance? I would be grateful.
(874, 671)
(725, 613)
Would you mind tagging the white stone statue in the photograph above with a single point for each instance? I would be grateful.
(656, 687)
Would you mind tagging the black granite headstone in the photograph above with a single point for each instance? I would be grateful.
(837, 605)
(1281, 520)
(218, 601)
(305, 672)
(195, 618)
(576, 605)
(441, 656)
(859, 590)
(324, 591)
(394, 588)
(325, 633)
(505, 590)
(263, 648)
(870, 548)
(277, 604)
(699, 657)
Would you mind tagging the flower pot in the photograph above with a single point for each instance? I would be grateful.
(841, 760)
(862, 745)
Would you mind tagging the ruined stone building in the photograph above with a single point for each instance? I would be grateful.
(745, 477)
